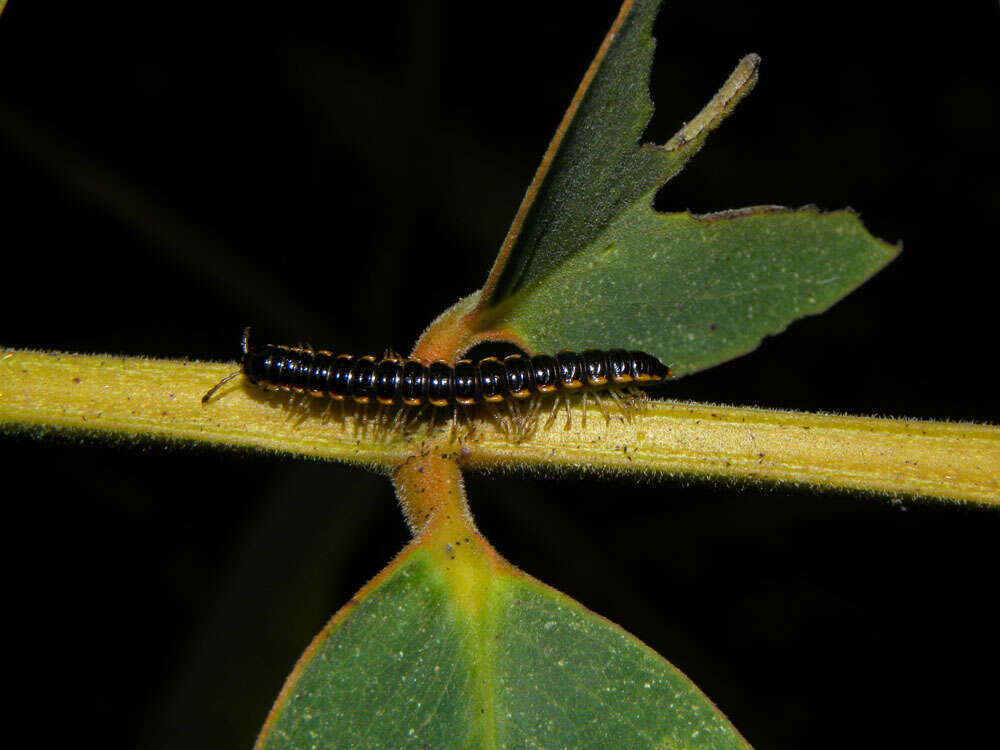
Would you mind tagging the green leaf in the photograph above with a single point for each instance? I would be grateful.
(695, 291)
(594, 169)
(416, 662)
(589, 263)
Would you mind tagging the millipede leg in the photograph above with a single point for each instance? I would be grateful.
(416, 416)
(536, 409)
(533, 405)
(469, 419)
(555, 410)
(531, 413)
(304, 407)
(640, 400)
(377, 431)
(634, 398)
(295, 404)
(583, 402)
(515, 415)
(498, 420)
(361, 420)
(521, 421)
(602, 407)
(400, 418)
(505, 422)
(569, 415)
(622, 405)
(354, 417)
(392, 418)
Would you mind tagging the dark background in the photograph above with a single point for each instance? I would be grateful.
(340, 173)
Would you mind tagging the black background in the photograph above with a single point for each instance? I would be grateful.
(340, 174)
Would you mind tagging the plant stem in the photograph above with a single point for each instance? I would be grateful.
(132, 399)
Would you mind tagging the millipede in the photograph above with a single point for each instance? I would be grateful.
(407, 382)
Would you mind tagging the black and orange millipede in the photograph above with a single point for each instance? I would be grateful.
(396, 381)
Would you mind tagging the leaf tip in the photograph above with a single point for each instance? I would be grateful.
(739, 84)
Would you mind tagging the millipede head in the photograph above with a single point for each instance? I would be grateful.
(244, 368)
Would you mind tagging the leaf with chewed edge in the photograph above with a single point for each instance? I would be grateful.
(589, 263)
(423, 657)
(724, 282)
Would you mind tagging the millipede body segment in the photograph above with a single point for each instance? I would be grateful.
(394, 380)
